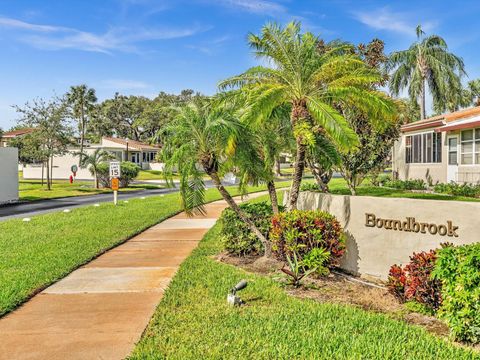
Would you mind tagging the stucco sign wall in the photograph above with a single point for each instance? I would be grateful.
(8, 175)
(385, 231)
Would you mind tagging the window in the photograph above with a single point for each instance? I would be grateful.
(424, 148)
(470, 149)
(452, 151)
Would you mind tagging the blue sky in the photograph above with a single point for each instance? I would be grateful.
(145, 46)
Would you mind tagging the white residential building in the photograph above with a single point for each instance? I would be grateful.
(137, 152)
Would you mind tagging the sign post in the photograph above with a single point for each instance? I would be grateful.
(115, 173)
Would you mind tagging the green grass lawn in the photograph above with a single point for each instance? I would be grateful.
(193, 321)
(30, 190)
(37, 253)
(156, 175)
(338, 186)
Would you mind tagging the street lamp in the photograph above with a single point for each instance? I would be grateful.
(126, 140)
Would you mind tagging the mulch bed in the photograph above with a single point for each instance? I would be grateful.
(339, 289)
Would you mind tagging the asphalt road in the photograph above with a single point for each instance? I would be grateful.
(31, 208)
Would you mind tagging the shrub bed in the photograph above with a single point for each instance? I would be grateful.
(236, 237)
(414, 281)
(414, 184)
(458, 268)
(300, 232)
(455, 189)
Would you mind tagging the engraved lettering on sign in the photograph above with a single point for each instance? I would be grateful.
(411, 225)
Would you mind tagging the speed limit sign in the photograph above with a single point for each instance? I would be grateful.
(115, 169)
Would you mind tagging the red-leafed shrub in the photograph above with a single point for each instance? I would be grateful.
(301, 231)
(414, 281)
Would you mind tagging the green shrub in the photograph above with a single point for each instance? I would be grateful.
(458, 268)
(382, 179)
(455, 189)
(414, 184)
(300, 231)
(236, 237)
(309, 187)
(129, 171)
(316, 260)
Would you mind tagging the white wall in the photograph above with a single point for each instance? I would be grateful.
(61, 168)
(371, 251)
(8, 174)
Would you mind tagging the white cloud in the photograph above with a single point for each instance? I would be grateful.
(50, 37)
(385, 19)
(18, 24)
(255, 6)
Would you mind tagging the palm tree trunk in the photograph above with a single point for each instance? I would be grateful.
(423, 112)
(233, 205)
(95, 177)
(317, 174)
(298, 169)
(272, 191)
(278, 170)
(299, 113)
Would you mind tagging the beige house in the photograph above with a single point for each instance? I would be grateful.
(442, 148)
(123, 149)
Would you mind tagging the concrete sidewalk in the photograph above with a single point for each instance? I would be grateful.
(100, 310)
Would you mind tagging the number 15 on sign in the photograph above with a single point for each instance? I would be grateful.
(114, 175)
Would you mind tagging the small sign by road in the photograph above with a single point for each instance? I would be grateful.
(114, 184)
(115, 169)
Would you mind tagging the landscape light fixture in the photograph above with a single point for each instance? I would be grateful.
(232, 297)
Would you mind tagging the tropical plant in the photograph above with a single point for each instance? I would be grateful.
(300, 231)
(296, 270)
(458, 269)
(414, 281)
(237, 238)
(81, 100)
(93, 160)
(310, 83)
(317, 259)
(427, 62)
(212, 138)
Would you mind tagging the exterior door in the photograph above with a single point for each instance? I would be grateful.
(452, 166)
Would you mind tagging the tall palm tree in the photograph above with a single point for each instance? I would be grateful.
(81, 100)
(212, 137)
(93, 160)
(427, 62)
(312, 83)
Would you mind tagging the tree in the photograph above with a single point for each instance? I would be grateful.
(93, 160)
(310, 83)
(426, 62)
(375, 147)
(52, 130)
(212, 137)
(81, 100)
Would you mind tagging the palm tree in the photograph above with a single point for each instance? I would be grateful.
(212, 137)
(81, 100)
(426, 62)
(93, 160)
(312, 83)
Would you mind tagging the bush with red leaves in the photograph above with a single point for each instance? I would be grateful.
(300, 231)
(414, 281)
